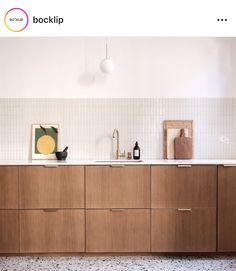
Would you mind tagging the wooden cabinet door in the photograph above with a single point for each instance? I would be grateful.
(118, 187)
(9, 231)
(8, 187)
(52, 231)
(43, 187)
(181, 187)
(183, 231)
(226, 209)
(118, 230)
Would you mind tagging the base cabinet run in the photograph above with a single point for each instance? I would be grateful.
(117, 209)
(118, 230)
(51, 230)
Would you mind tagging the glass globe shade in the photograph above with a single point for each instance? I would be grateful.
(107, 65)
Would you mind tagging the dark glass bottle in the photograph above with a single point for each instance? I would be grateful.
(136, 151)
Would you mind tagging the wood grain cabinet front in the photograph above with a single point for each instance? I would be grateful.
(179, 186)
(45, 231)
(184, 230)
(9, 231)
(183, 208)
(118, 187)
(8, 187)
(227, 208)
(118, 230)
(59, 187)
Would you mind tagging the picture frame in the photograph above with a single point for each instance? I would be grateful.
(44, 141)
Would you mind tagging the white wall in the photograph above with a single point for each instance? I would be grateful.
(145, 67)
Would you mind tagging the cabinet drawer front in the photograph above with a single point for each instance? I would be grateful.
(125, 187)
(175, 230)
(227, 209)
(9, 231)
(42, 187)
(8, 187)
(52, 231)
(174, 186)
(118, 230)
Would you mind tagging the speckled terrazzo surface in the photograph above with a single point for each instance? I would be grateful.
(122, 263)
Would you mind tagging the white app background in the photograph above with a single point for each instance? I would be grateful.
(126, 17)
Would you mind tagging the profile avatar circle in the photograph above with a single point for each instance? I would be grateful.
(16, 19)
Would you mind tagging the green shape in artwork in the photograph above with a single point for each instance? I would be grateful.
(45, 143)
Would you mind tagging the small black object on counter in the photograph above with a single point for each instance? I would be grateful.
(136, 151)
(61, 155)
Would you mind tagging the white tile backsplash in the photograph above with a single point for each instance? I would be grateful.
(86, 125)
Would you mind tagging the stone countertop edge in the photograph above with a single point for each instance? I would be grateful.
(102, 162)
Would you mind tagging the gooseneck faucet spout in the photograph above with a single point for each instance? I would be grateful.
(116, 135)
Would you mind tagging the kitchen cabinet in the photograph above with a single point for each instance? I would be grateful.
(8, 187)
(118, 186)
(183, 186)
(9, 231)
(51, 187)
(115, 221)
(45, 231)
(118, 230)
(117, 209)
(183, 208)
(227, 208)
(9, 217)
(184, 230)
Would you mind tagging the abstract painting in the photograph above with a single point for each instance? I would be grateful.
(44, 141)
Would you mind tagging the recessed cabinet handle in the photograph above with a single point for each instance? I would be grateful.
(50, 210)
(117, 210)
(181, 166)
(117, 165)
(184, 209)
(229, 165)
(51, 166)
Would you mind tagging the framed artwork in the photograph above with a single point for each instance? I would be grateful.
(44, 141)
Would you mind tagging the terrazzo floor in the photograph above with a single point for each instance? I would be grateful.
(122, 263)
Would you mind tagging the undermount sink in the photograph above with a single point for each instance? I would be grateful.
(119, 161)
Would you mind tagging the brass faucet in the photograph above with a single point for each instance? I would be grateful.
(117, 136)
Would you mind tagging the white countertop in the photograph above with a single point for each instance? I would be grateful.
(122, 162)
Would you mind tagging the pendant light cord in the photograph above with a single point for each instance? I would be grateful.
(106, 51)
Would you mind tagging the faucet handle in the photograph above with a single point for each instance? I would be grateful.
(122, 154)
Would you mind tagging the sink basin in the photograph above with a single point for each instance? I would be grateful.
(119, 161)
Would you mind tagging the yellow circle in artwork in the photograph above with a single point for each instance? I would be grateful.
(45, 144)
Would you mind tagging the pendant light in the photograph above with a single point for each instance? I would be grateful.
(107, 65)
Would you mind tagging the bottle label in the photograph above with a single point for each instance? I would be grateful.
(136, 153)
